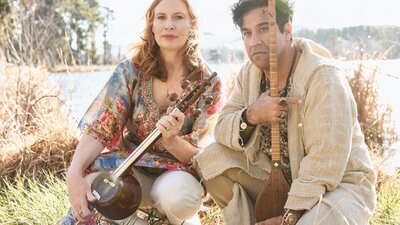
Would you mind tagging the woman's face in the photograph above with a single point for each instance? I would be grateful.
(171, 25)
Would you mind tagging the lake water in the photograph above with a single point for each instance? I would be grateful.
(81, 88)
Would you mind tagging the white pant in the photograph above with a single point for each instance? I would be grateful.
(177, 194)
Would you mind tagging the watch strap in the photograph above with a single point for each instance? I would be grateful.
(243, 119)
(291, 216)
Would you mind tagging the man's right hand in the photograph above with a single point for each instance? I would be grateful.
(269, 110)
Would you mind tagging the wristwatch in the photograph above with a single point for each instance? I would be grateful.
(291, 217)
(243, 121)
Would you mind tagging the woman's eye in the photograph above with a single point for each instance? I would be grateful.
(160, 17)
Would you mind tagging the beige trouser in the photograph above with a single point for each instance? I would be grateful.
(176, 194)
(235, 192)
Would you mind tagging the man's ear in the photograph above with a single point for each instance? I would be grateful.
(288, 31)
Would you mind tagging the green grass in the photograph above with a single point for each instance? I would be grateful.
(44, 201)
(37, 201)
(33, 201)
(387, 210)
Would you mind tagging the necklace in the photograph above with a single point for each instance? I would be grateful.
(169, 88)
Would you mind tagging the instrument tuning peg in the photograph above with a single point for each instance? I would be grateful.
(207, 83)
(185, 84)
(196, 112)
(173, 97)
(209, 100)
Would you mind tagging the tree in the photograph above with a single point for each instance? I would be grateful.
(50, 32)
(6, 23)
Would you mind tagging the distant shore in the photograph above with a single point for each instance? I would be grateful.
(81, 68)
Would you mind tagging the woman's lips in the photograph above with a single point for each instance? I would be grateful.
(169, 36)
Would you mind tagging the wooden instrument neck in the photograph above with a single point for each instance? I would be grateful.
(273, 75)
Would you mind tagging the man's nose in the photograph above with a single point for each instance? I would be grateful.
(256, 40)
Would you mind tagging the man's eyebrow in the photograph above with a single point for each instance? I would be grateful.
(262, 24)
(258, 25)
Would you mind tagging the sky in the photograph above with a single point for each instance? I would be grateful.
(215, 16)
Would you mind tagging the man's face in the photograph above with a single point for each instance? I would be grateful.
(255, 37)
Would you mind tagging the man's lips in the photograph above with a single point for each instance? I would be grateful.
(259, 53)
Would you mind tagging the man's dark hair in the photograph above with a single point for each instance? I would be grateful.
(284, 11)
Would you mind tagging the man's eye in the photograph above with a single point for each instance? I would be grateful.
(263, 29)
(245, 33)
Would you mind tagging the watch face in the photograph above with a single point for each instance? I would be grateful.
(243, 126)
(291, 219)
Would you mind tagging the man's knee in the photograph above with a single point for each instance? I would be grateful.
(220, 188)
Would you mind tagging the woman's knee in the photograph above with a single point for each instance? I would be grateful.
(177, 194)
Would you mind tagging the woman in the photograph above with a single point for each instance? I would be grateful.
(135, 101)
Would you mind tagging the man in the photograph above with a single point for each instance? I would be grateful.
(324, 158)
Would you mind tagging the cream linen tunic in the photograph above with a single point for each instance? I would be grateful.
(330, 163)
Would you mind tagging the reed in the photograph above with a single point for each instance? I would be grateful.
(375, 117)
(35, 134)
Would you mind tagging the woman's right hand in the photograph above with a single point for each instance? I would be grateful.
(79, 193)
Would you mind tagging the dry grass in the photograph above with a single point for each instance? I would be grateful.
(375, 117)
(34, 131)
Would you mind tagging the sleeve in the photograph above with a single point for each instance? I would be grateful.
(329, 117)
(204, 124)
(227, 130)
(105, 118)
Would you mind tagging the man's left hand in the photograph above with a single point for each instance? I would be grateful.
(273, 221)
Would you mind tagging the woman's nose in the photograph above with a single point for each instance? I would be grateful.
(169, 25)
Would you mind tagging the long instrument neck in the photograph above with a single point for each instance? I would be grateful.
(273, 75)
(121, 169)
(135, 155)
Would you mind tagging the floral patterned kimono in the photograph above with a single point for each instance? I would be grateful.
(125, 113)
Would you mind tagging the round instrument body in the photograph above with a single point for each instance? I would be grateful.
(117, 197)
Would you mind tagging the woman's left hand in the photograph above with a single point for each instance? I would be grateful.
(170, 125)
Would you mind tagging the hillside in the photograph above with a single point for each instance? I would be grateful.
(372, 42)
